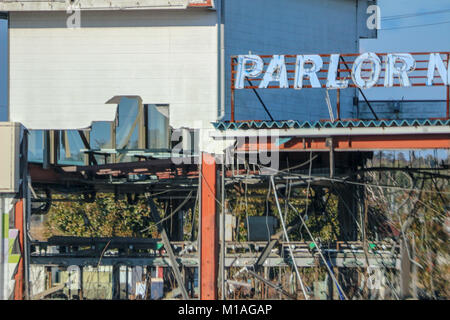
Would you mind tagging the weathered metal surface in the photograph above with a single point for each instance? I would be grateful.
(326, 124)
(209, 248)
(232, 260)
(358, 143)
(351, 135)
(62, 5)
(342, 254)
(19, 277)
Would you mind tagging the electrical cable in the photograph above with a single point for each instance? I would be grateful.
(246, 208)
(411, 15)
(267, 209)
(173, 212)
(417, 26)
(341, 292)
(287, 239)
(354, 182)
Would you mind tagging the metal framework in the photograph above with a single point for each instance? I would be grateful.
(152, 252)
(249, 257)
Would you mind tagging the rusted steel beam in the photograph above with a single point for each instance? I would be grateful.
(19, 277)
(209, 246)
(356, 143)
(200, 4)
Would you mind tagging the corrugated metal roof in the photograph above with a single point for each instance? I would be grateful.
(295, 124)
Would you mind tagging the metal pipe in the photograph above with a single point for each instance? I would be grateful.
(362, 93)
(168, 247)
(220, 60)
(338, 104)
(287, 238)
(232, 119)
(448, 90)
(252, 87)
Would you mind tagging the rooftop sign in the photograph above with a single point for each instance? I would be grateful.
(340, 71)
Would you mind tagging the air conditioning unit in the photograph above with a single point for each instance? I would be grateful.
(261, 228)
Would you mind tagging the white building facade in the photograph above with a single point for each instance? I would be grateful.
(69, 67)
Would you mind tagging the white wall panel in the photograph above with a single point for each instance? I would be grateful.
(61, 78)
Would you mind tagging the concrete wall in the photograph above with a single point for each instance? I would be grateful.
(61, 78)
(292, 27)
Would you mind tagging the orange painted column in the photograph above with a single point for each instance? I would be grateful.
(209, 247)
(19, 276)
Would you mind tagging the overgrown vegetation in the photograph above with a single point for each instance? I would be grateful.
(105, 217)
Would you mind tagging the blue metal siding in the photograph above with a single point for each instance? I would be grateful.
(289, 27)
(304, 27)
(403, 109)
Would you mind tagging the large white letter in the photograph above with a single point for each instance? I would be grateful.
(436, 62)
(332, 82)
(257, 65)
(276, 71)
(374, 21)
(408, 64)
(357, 69)
(300, 70)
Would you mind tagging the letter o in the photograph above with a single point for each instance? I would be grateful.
(357, 69)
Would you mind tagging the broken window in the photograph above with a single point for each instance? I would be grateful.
(158, 127)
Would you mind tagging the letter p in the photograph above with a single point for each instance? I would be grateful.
(254, 70)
